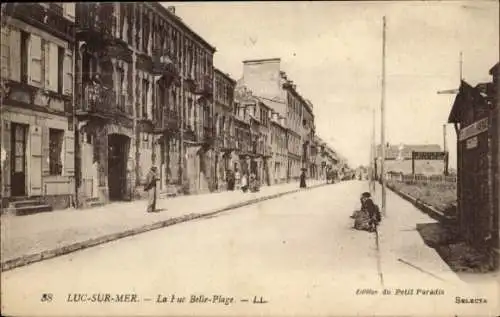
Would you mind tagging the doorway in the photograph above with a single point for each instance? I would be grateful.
(18, 159)
(117, 166)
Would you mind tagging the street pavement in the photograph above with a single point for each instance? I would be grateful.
(26, 239)
(294, 255)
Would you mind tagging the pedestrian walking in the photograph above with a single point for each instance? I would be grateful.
(244, 183)
(237, 178)
(230, 180)
(150, 188)
(303, 179)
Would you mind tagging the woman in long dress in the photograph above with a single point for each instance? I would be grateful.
(150, 187)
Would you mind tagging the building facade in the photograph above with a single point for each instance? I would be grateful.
(475, 116)
(279, 160)
(224, 87)
(297, 146)
(37, 126)
(308, 131)
(144, 98)
(242, 133)
(265, 78)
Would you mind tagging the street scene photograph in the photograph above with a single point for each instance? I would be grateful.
(302, 158)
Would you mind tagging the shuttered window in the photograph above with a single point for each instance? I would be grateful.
(69, 10)
(51, 66)
(68, 72)
(5, 52)
(35, 60)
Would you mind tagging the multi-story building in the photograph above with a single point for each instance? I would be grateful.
(266, 80)
(144, 98)
(308, 131)
(297, 148)
(258, 114)
(224, 87)
(37, 127)
(279, 161)
(242, 133)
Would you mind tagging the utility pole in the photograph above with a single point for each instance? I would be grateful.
(445, 149)
(372, 155)
(382, 115)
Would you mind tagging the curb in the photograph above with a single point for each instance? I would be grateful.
(433, 212)
(48, 254)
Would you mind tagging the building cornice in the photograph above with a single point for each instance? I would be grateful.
(165, 13)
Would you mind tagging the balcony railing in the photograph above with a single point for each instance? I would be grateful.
(98, 101)
(204, 86)
(164, 65)
(50, 20)
(168, 122)
(95, 18)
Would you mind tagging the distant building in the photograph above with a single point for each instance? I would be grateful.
(266, 79)
(398, 159)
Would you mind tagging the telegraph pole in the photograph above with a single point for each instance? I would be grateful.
(372, 155)
(382, 115)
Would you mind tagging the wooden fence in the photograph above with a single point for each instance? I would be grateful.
(422, 178)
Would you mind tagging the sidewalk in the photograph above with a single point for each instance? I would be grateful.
(28, 239)
(405, 258)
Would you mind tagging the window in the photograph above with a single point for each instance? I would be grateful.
(5, 49)
(60, 70)
(35, 60)
(69, 10)
(56, 142)
(25, 37)
(145, 91)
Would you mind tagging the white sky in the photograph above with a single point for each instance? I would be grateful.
(332, 51)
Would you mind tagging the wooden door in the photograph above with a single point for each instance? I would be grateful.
(18, 164)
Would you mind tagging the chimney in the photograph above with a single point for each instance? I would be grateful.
(171, 9)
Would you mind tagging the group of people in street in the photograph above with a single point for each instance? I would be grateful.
(368, 217)
(244, 182)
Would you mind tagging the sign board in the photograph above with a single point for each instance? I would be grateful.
(471, 143)
(428, 155)
(473, 129)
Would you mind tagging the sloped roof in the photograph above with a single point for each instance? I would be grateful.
(467, 96)
(494, 69)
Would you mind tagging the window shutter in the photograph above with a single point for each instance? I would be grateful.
(69, 10)
(7, 147)
(69, 154)
(35, 60)
(36, 161)
(68, 72)
(5, 52)
(15, 54)
(53, 68)
(45, 151)
(46, 61)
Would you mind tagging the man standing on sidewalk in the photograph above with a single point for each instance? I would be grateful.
(150, 187)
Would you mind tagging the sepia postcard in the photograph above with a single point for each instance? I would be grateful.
(305, 158)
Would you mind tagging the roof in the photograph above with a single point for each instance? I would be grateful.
(404, 150)
(273, 59)
(226, 75)
(177, 20)
(467, 96)
(494, 69)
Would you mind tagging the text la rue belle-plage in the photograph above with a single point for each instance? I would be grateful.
(159, 298)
